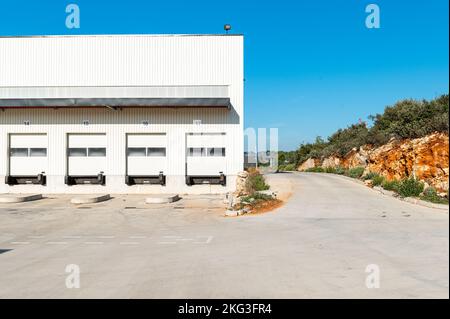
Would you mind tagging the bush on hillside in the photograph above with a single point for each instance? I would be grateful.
(355, 172)
(391, 185)
(370, 175)
(344, 140)
(377, 180)
(287, 167)
(340, 170)
(430, 194)
(410, 119)
(405, 119)
(317, 169)
(410, 187)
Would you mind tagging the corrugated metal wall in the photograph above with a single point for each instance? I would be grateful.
(176, 123)
(123, 61)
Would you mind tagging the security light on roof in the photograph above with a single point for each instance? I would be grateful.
(227, 27)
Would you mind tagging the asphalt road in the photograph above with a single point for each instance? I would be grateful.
(318, 245)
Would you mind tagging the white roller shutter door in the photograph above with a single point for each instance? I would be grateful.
(146, 154)
(86, 154)
(205, 154)
(27, 154)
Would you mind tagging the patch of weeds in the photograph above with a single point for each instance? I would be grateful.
(317, 169)
(410, 187)
(330, 170)
(430, 195)
(256, 197)
(356, 172)
(340, 170)
(377, 180)
(369, 175)
(257, 203)
(391, 185)
(287, 167)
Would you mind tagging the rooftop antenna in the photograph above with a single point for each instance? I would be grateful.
(227, 27)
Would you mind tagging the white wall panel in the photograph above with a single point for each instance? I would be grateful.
(189, 91)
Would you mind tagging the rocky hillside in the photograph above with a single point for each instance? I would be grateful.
(425, 158)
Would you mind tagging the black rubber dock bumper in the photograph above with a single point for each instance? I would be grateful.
(146, 179)
(210, 179)
(39, 179)
(99, 179)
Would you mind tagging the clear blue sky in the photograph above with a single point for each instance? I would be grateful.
(311, 67)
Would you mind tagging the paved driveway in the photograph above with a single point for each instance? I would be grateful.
(317, 245)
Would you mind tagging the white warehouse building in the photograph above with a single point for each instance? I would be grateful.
(121, 113)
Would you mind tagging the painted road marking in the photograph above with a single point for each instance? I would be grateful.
(208, 240)
(129, 243)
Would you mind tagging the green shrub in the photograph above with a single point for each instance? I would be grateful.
(391, 185)
(410, 187)
(289, 167)
(410, 119)
(317, 169)
(430, 195)
(330, 170)
(340, 171)
(370, 175)
(377, 180)
(356, 172)
(405, 119)
(255, 182)
(256, 197)
(286, 167)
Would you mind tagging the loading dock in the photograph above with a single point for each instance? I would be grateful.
(27, 159)
(205, 158)
(86, 159)
(146, 159)
(91, 95)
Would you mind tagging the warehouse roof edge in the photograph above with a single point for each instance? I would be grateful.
(121, 35)
(115, 102)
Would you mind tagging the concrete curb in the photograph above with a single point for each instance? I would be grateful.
(8, 198)
(162, 199)
(382, 191)
(418, 201)
(89, 199)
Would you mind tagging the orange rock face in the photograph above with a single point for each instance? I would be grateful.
(357, 157)
(425, 158)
